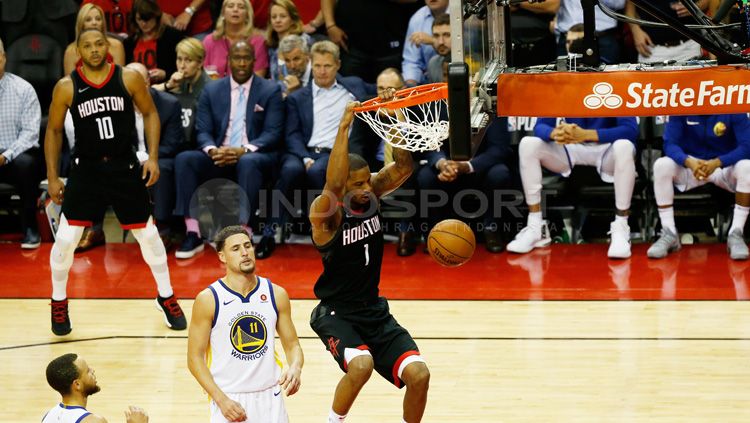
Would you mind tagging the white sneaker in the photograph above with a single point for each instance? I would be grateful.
(619, 244)
(530, 238)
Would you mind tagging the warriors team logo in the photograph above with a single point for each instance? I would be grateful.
(720, 129)
(248, 334)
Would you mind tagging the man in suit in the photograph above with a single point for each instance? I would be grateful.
(239, 128)
(486, 171)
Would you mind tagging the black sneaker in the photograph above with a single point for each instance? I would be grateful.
(31, 240)
(60, 318)
(173, 315)
(192, 245)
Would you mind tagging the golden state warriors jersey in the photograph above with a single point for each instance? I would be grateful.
(62, 413)
(241, 354)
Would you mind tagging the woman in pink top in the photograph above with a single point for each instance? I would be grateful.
(234, 24)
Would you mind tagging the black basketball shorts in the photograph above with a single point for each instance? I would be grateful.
(368, 327)
(95, 184)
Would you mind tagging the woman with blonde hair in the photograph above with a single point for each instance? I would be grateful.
(285, 20)
(234, 24)
(92, 16)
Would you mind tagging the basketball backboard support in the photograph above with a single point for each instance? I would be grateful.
(478, 55)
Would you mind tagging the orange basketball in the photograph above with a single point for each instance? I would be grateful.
(451, 243)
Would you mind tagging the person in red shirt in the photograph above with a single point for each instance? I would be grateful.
(116, 13)
(191, 16)
(152, 43)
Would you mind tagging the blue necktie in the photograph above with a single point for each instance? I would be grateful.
(238, 121)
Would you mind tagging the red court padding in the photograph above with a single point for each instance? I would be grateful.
(561, 272)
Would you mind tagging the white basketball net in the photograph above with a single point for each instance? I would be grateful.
(421, 129)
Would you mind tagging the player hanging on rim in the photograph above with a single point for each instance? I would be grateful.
(104, 169)
(353, 322)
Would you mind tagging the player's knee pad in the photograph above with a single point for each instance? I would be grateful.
(742, 170)
(151, 244)
(623, 150)
(66, 240)
(528, 146)
(664, 167)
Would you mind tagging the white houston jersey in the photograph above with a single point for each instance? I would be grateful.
(62, 413)
(241, 354)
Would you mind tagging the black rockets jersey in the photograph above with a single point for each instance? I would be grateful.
(103, 115)
(352, 259)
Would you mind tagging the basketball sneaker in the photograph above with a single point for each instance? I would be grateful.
(736, 246)
(192, 245)
(173, 315)
(668, 242)
(530, 238)
(619, 243)
(60, 318)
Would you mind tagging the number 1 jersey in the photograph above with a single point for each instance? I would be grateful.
(103, 115)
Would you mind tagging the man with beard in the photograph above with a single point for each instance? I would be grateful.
(105, 170)
(72, 377)
(353, 322)
(234, 322)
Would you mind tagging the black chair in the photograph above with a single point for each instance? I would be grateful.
(37, 58)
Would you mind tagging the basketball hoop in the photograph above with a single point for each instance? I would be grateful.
(421, 108)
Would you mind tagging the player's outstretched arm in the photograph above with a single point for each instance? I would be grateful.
(151, 124)
(62, 96)
(323, 211)
(199, 334)
(392, 175)
(291, 378)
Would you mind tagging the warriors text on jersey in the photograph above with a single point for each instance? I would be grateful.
(241, 354)
(62, 413)
(103, 116)
(351, 260)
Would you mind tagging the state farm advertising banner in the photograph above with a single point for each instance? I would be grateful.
(710, 90)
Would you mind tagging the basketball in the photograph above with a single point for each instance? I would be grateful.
(451, 243)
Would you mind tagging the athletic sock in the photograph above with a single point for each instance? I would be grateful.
(739, 218)
(335, 418)
(666, 216)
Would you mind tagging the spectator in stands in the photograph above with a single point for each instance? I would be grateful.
(20, 119)
(606, 143)
(533, 43)
(116, 14)
(92, 16)
(187, 83)
(285, 21)
(570, 13)
(171, 142)
(487, 171)
(370, 33)
(661, 44)
(441, 42)
(296, 68)
(152, 43)
(418, 47)
(699, 150)
(240, 129)
(192, 17)
(235, 24)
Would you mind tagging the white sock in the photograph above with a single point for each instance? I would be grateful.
(666, 216)
(740, 217)
(535, 220)
(335, 418)
(619, 218)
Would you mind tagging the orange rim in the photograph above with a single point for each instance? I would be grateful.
(407, 97)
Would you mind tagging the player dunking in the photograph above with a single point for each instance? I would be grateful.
(104, 169)
(353, 322)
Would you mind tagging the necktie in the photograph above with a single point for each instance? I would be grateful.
(238, 121)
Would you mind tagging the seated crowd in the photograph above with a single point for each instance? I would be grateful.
(255, 96)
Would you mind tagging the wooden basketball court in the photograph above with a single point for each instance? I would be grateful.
(618, 348)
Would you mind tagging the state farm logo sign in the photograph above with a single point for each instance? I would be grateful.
(640, 95)
(602, 96)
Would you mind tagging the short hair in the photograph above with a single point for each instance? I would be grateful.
(61, 372)
(80, 34)
(356, 162)
(291, 42)
(191, 48)
(441, 19)
(236, 44)
(225, 233)
(576, 28)
(326, 47)
(393, 71)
